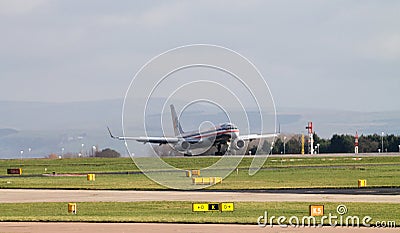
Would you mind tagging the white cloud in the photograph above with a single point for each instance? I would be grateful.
(306, 44)
(19, 7)
(386, 47)
(153, 16)
(164, 14)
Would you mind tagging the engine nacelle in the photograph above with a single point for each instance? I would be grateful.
(182, 146)
(238, 144)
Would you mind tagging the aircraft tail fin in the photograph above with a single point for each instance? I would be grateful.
(175, 121)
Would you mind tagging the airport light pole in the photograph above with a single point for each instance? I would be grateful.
(82, 149)
(94, 150)
(21, 152)
(272, 147)
(383, 133)
(284, 145)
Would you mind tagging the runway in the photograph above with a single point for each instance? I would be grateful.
(21, 227)
(42, 195)
(352, 191)
(336, 155)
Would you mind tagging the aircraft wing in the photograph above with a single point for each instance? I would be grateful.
(156, 140)
(257, 136)
(159, 140)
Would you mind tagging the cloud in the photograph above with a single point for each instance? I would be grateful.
(385, 47)
(152, 16)
(305, 46)
(19, 7)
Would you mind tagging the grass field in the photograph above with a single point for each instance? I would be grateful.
(180, 212)
(85, 165)
(277, 173)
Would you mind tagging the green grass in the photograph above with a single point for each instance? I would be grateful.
(180, 212)
(289, 173)
(78, 165)
(85, 165)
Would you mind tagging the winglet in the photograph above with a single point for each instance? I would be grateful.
(111, 135)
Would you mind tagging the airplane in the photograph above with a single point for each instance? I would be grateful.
(225, 137)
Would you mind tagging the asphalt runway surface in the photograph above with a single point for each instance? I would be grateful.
(42, 195)
(360, 155)
(352, 191)
(22, 227)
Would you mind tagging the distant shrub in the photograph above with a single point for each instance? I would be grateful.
(107, 153)
(52, 156)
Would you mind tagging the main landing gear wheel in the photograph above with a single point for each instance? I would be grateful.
(221, 151)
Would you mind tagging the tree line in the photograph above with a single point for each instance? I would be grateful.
(106, 153)
(339, 144)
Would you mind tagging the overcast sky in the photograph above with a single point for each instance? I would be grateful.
(316, 54)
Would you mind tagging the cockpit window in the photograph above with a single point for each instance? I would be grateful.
(228, 126)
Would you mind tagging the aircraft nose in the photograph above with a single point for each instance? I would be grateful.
(235, 135)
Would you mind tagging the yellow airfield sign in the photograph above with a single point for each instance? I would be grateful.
(199, 207)
(211, 207)
(204, 207)
(316, 210)
(227, 206)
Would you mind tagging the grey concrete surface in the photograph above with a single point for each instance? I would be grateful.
(22, 227)
(42, 195)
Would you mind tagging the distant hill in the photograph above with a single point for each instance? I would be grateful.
(55, 116)
(5, 132)
(48, 127)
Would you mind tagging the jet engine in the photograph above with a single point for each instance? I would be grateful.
(238, 144)
(182, 146)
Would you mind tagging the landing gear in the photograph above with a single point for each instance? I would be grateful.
(221, 151)
(188, 154)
